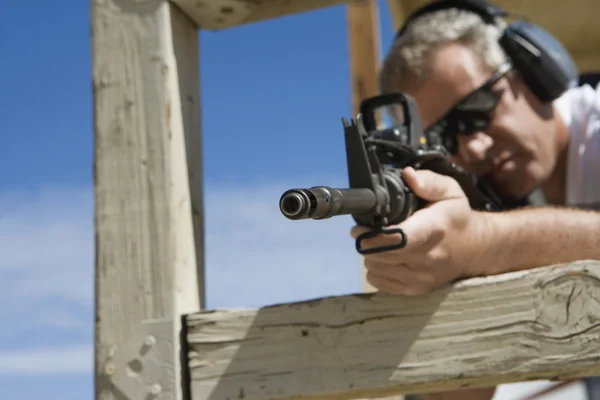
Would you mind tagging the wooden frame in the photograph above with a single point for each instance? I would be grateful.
(150, 253)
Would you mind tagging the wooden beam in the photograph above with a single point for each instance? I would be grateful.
(221, 14)
(365, 52)
(529, 325)
(397, 13)
(186, 50)
(146, 107)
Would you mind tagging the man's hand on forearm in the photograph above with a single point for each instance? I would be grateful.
(447, 240)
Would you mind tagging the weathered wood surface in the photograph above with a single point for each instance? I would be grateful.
(575, 26)
(220, 14)
(146, 106)
(528, 325)
(187, 54)
(364, 44)
(362, 17)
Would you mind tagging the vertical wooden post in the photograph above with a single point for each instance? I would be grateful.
(147, 131)
(364, 41)
(365, 53)
(186, 48)
(397, 12)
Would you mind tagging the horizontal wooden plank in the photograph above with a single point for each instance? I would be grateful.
(528, 325)
(220, 14)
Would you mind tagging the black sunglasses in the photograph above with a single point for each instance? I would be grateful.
(471, 114)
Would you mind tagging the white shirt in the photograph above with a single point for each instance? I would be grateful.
(580, 109)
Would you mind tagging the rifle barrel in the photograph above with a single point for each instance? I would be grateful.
(322, 202)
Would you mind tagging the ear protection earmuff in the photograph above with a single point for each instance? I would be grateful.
(541, 61)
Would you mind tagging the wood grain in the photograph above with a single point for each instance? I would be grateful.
(529, 325)
(146, 107)
(363, 39)
(221, 14)
(186, 49)
(362, 17)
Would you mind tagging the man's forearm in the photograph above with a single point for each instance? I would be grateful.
(535, 237)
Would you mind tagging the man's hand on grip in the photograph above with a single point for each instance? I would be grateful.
(446, 240)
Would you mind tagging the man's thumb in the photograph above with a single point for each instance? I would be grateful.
(431, 186)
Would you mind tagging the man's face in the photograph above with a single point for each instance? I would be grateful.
(516, 150)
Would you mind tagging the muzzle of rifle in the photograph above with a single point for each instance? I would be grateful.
(324, 202)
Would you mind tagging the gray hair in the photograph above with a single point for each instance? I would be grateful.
(406, 66)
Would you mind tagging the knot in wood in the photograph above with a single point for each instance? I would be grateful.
(567, 305)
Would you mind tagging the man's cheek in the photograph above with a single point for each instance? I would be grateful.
(455, 159)
(458, 160)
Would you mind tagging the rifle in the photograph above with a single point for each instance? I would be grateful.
(377, 196)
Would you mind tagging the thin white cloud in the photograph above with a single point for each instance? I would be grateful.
(46, 255)
(62, 360)
(254, 257)
(46, 246)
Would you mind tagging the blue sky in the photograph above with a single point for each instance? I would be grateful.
(277, 120)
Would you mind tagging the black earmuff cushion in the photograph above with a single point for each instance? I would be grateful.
(544, 65)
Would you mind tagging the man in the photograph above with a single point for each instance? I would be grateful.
(440, 59)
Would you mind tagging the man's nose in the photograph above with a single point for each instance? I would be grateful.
(473, 152)
(474, 148)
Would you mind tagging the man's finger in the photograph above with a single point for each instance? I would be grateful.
(386, 285)
(431, 186)
(422, 229)
(391, 286)
(398, 272)
(359, 230)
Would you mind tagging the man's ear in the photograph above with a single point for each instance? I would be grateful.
(515, 84)
(519, 90)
